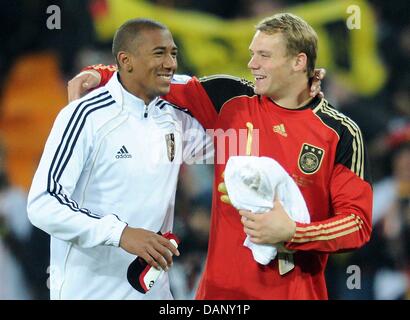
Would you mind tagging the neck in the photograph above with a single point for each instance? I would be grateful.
(295, 95)
(132, 87)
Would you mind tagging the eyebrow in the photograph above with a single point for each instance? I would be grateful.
(261, 52)
(265, 51)
(174, 48)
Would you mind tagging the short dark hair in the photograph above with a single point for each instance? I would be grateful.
(128, 32)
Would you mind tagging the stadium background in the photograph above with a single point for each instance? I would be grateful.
(367, 79)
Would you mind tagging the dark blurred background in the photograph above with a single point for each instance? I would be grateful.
(367, 79)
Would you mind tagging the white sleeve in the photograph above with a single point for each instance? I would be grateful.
(198, 144)
(50, 205)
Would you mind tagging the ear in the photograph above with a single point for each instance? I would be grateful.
(125, 61)
(300, 62)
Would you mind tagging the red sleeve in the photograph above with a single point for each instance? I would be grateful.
(205, 97)
(351, 225)
(106, 72)
(185, 94)
(351, 199)
(192, 96)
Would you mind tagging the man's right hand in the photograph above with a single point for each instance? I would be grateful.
(81, 83)
(156, 250)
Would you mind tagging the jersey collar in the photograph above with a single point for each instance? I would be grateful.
(312, 104)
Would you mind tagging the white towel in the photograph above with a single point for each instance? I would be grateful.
(251, 183)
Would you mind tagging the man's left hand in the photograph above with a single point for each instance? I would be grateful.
(315, 88)
(270, 227)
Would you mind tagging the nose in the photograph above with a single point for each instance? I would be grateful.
(170, 62)
(252, 64)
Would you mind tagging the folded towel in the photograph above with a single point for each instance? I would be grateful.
(252, 183)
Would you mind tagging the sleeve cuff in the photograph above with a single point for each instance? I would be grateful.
(288, 244)
(105, 72)
(115, 237)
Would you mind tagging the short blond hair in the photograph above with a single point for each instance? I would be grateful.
(299, 35)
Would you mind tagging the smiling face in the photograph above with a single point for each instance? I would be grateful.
(150, 64)
(155, 62)
(270, 64)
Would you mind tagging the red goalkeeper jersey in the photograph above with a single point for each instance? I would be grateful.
(319, 147)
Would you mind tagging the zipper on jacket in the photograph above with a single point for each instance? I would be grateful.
(145, 111)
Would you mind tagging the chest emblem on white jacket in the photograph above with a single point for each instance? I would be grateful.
(170, 139)
(123, 153)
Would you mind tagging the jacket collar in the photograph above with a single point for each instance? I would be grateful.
(123, 97)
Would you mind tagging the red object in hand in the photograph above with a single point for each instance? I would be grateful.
(141, 275)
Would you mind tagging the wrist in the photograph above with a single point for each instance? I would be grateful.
(123, 237)
(92, 72)
(292, 230)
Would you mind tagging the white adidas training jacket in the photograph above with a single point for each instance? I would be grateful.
(107, 163)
